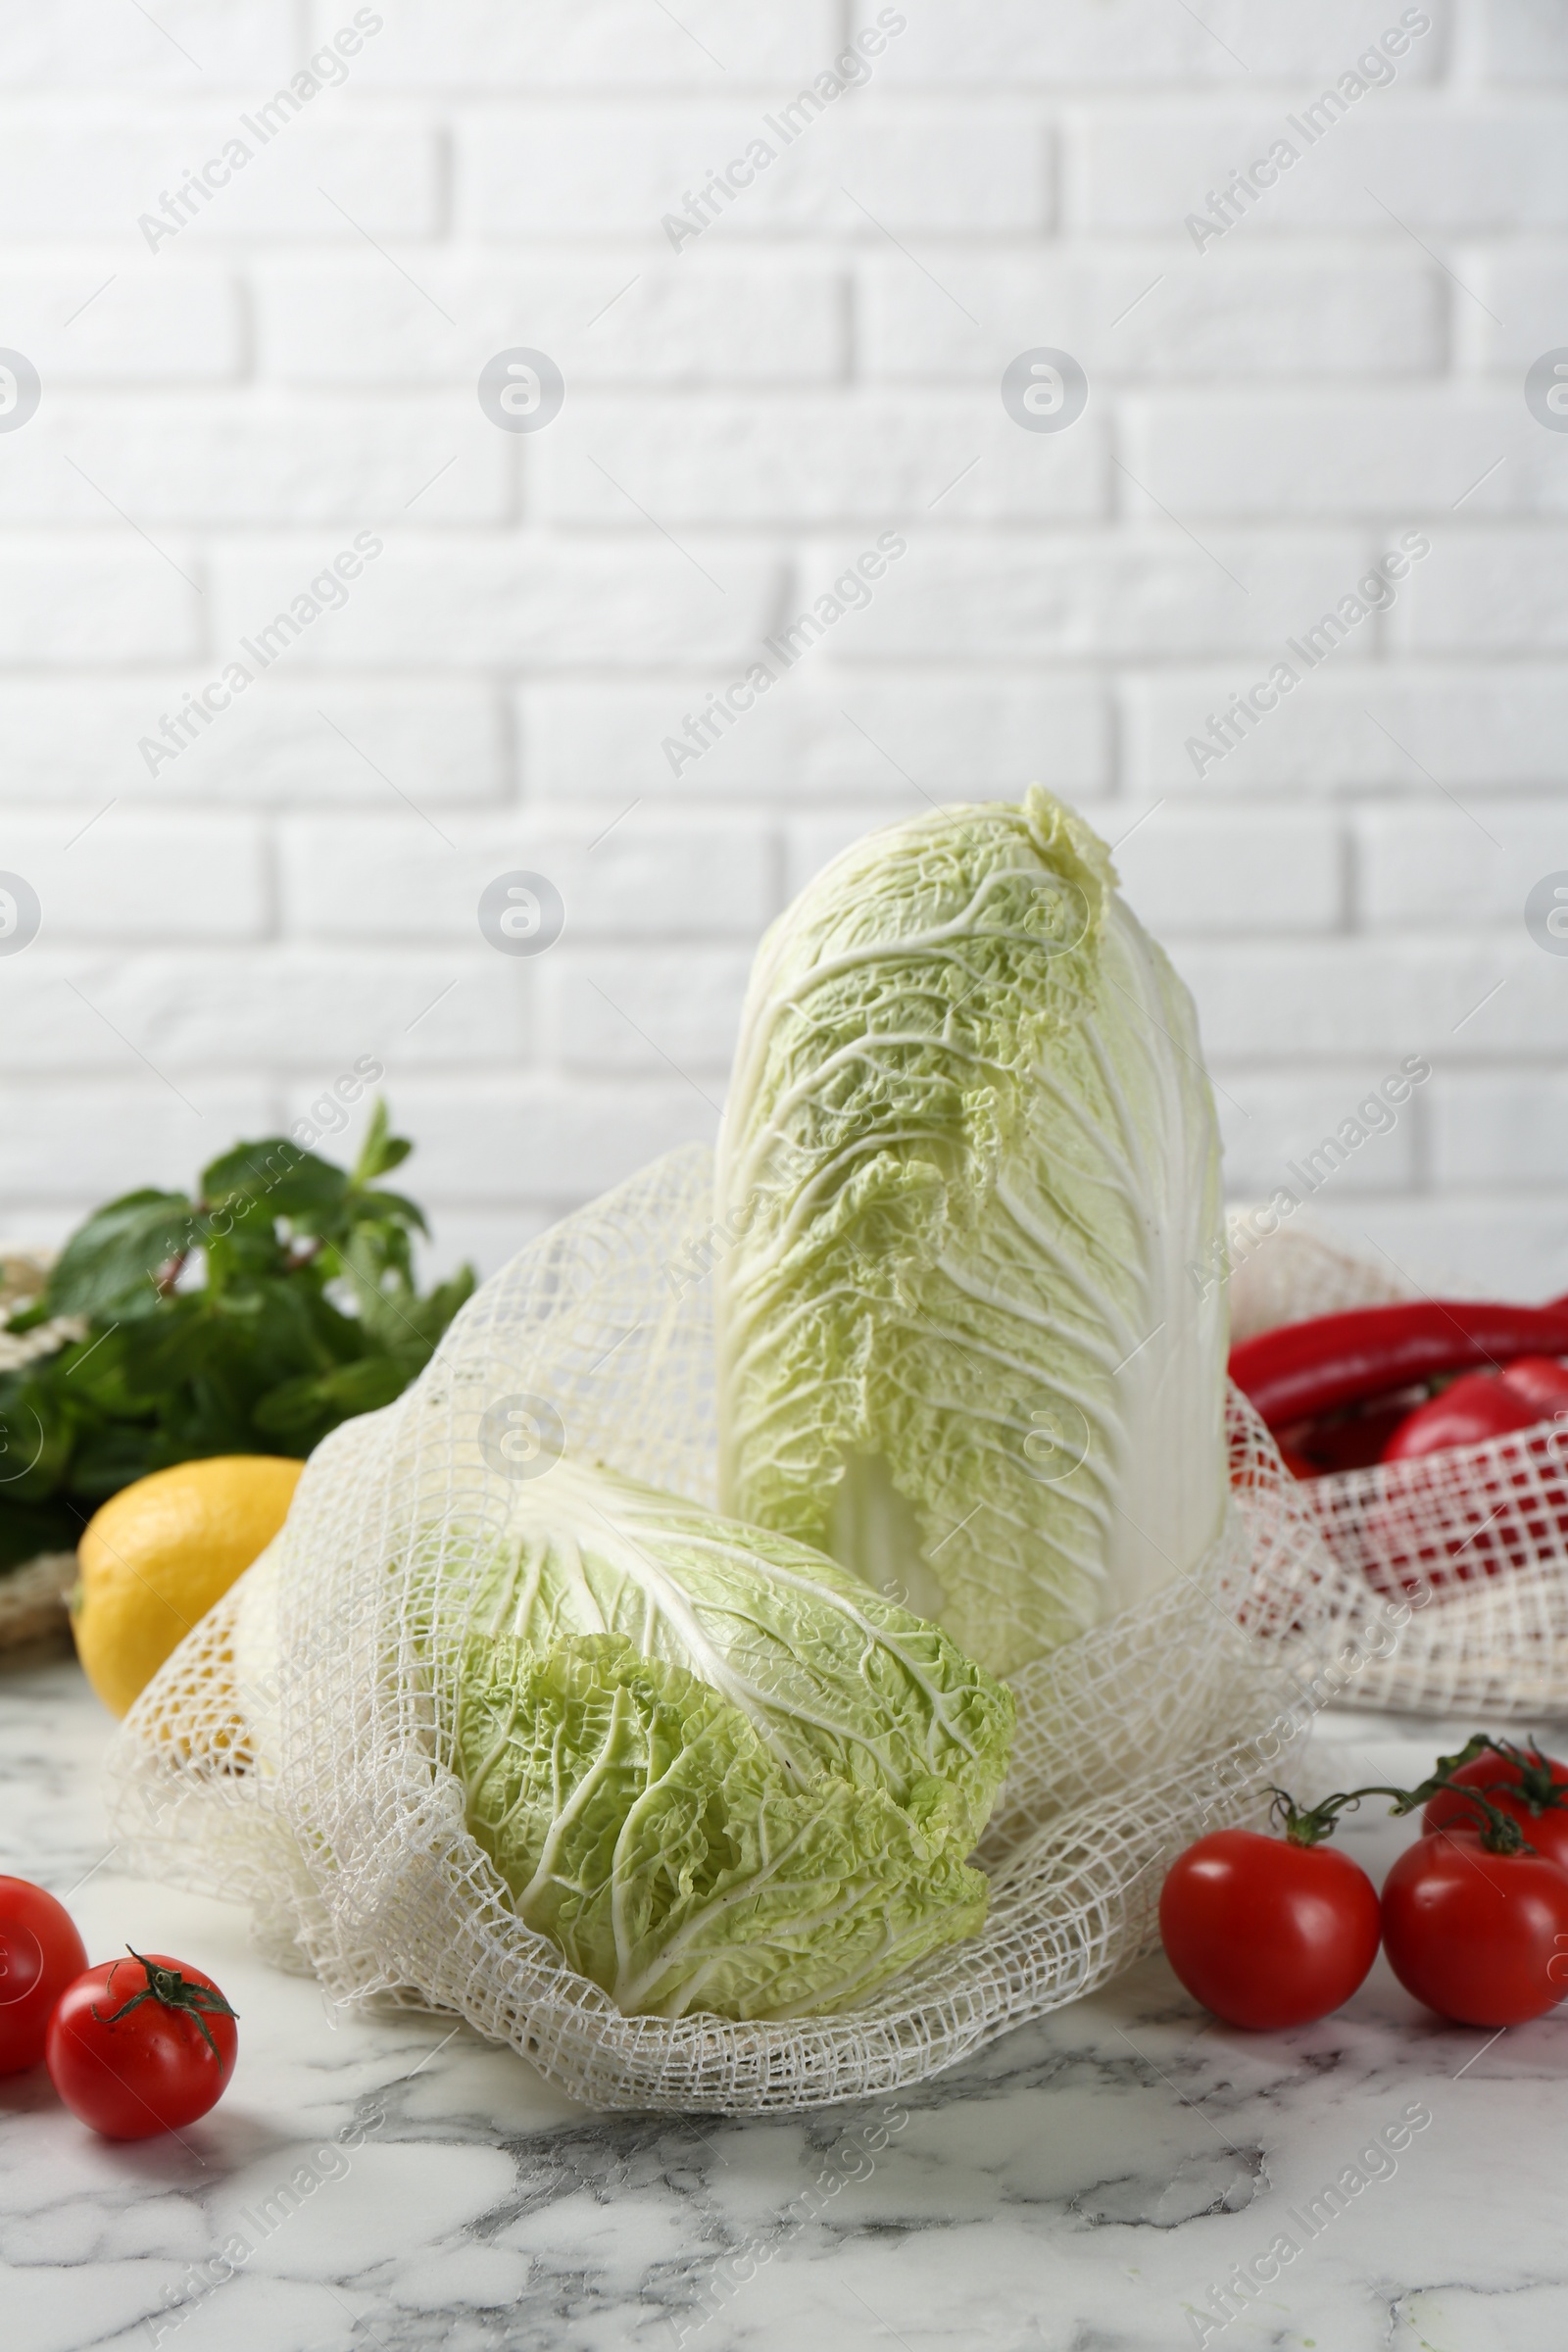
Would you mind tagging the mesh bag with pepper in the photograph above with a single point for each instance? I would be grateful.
(1453, 1504)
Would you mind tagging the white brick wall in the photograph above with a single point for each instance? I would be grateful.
(223, 412)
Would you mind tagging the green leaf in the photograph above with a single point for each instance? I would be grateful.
(278, 1177)
(388, 1207)
(331, 1396)
(255, 1352)
(27, 1530)
(381, 1150)
(110, 1266)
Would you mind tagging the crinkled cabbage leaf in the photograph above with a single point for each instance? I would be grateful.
(708, 1763)
(971, 1334)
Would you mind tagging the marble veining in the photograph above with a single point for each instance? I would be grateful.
(1089, 2185)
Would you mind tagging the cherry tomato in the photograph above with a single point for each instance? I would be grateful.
(40, 1952)
(1514, 1790)
(1480, 1937)
(1266, 1933)
(141, 2046)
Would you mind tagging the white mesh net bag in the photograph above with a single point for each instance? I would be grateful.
(296, 1753)
(1474, 1538)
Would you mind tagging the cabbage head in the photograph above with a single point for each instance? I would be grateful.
(710, 1765)
(971, 1334)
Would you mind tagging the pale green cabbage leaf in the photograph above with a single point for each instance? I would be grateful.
(710, 1765)
(971, 1334)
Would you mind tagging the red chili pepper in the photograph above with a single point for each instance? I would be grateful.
(1302, 1369)
(1478, 1405)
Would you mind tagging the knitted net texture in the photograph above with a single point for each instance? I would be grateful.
(294, 1753)
(1473, 1539)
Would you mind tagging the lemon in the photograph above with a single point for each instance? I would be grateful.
(160, 1553)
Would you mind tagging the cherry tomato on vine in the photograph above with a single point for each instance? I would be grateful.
(1267, 1932)
(40, 1951)
(141, 2046)
(1479, 1936)
(1519, 1782)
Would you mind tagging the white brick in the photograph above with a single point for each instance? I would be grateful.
(1126, 594)
(516, 603)
(1267, 1121)
(112, 875)
(1510, 1245)
(1527, 293)
(1398, 454)
(1486, 169)
(590, 45)
(224, 460)
(1220, 870)
(541, 1140)
(103, 317)
(1121, 42)
(334, 741)
(103, 1139)
(644, 1014)
(532, 174)
(347, 878)
(1489, 590)
(1507, 1128)
(1345, 887)
(889, 737)
(1408, 729)
(1523, 41)
(1157, 314)
(190, 47)
(298, 1010)
(1462, 998)
(613, 318)
(1446, 866)
(814, 459)
(91, 599)
(88, 173)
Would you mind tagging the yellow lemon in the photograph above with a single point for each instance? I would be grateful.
(160, 1553)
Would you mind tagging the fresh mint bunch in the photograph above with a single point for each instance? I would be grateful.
(253, 1318)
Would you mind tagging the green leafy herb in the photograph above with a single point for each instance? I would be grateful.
(251, 1319)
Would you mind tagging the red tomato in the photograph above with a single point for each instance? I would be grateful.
(1541, 1381)
(1513, 1791)
(1476, 1405)
(1266, 1933)
(141, 2046)
(1480, 1937)
(40, 1952)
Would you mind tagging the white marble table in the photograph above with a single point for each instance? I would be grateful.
(1083, 2187)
